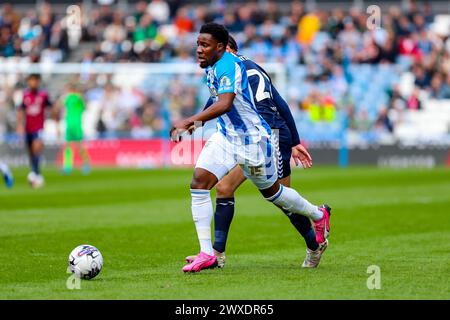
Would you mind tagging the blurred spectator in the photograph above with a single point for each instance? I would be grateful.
(184, 55)
(105, 16)
(437, 87)
(427, 12)
(147, 120)
(7, 48)
(183, 22)
(141, 10)
(446, 88)
(232, 23)
(272, 11)
(51, 55)
(396, 100)
(383, 122)
(320, 107)
(338, 80)
(350, 39)
(115, 32)
(109, 123)
(308, 26)
(413, 102)
(422, 77)
(159, 10)
(46, 21)
(362, 121)
(389, 52)
(358, 120)
(59, 38)
(145, 29)
(10, 18)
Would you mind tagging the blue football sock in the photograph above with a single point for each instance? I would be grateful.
(35, 160)
(222, 221)
(303, 226)
(310, 239)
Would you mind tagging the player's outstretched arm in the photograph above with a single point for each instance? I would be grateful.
(299, 152)
(20, 119)
(217, 109)
(223, 105)
(285, 112)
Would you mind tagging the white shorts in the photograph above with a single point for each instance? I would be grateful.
(219, 156)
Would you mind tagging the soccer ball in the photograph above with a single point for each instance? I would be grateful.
(35, 181)
(85, 261)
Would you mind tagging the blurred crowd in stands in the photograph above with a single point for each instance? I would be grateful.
(336, 63)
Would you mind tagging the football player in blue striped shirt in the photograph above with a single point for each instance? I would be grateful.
(243, 138)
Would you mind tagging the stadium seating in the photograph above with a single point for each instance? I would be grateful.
(364, 83)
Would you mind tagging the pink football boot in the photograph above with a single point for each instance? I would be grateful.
(220, 256)
(202, 261)
(322, 226)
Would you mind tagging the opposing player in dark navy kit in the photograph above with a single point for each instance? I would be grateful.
(30, 122)
(275, 111)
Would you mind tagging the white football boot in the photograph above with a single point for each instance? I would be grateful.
(220, 256)
(312, 258)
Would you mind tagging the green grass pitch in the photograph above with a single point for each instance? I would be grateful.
(140, 220)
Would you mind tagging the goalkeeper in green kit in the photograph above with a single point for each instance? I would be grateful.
(74, 106)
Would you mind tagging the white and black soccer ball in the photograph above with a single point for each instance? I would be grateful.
(35, 180)
(85, 261)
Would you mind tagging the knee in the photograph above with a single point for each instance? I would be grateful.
(203, 179)
(224, 190)
(270, 192)
(198, 182)
(36, 146)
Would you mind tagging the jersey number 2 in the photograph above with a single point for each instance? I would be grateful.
(261, 94)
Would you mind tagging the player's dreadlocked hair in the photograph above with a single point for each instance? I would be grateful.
(218, 31)
(232, 43)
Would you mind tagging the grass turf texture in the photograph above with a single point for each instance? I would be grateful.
(141, 222)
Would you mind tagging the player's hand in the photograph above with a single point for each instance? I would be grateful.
(301, 155)
(180, 127)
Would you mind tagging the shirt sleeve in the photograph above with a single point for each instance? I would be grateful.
(226, 76)
(208, 103)
(285, 112)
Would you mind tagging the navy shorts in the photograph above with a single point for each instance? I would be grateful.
(282, 142)
(30, 137)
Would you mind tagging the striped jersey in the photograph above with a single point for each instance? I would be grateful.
(242, 124)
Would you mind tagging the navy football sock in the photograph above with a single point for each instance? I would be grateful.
(303, 226)
(222, 221)
(35, 159)
(310, 239)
